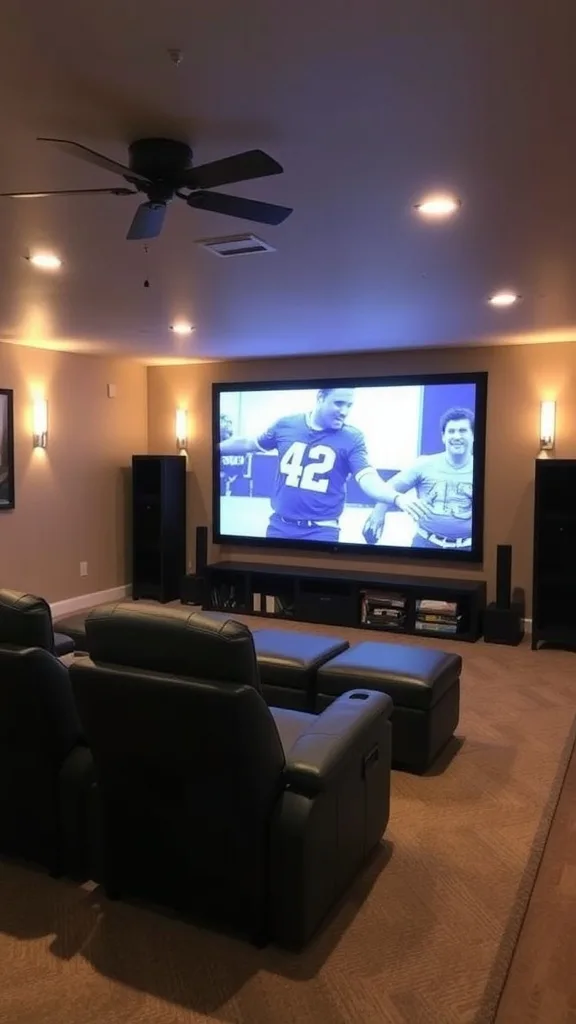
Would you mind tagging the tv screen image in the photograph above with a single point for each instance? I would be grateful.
(396, 466)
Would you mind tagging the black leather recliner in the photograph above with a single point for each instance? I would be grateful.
(44, 764)
(26, 614)
(247, 818)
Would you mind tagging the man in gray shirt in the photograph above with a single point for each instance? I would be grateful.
(444, 489)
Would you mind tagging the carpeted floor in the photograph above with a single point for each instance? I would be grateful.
(425, 937)
(541, 984)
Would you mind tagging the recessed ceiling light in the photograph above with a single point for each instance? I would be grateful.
(503, 298)
(438, 206)
(45, 261)
(181, 327)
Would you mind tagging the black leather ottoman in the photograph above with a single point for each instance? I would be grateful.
(424, 686)
(289, 663)
(74, 626)
(63, 645)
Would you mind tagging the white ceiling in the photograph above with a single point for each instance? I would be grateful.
(368, 104)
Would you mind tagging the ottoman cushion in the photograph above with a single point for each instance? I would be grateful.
(74, 626)
(414, 677)
(63, 644)
(285, 656)
(289, 661)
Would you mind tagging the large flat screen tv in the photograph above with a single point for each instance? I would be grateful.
(394, 465)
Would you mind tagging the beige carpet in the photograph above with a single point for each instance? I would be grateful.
(541, 984)
(425, 937)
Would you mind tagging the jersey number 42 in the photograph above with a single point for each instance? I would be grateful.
(315, 475)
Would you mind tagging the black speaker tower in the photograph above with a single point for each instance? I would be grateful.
(201, 550)
(503, 618)
(159, 526)
(554, 580)
(194, 585)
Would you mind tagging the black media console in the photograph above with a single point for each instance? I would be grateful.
(420, 605)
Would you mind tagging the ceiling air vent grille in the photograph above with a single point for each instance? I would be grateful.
(235, 245)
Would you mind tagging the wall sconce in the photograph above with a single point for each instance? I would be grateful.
(181, 430)
(547, 426)
(40, 423)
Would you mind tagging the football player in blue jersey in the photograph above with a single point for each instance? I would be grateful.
(317, 453)
(444, 485)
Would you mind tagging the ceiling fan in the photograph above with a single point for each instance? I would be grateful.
(162, 169)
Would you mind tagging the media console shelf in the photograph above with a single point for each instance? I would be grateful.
(421, 605)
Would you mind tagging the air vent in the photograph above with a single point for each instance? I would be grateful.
(235, 245)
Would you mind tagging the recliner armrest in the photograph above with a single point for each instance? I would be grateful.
(320, 752)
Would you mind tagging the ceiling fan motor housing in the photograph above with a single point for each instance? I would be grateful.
(162, 169)
(163, 159)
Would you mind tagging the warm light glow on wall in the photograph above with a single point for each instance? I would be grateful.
(40, 423)
(547, 425)
(181, 429)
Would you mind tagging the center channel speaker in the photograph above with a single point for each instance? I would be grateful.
(503, 618)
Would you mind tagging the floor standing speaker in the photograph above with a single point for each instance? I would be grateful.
(503, 575)
(159, 526)
(503, 618)
(201, 550)
(194, 584)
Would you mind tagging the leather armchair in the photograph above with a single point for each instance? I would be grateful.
(30, 616)
(44, 763)
(249, 819)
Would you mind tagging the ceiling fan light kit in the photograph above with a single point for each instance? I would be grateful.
(163, 170)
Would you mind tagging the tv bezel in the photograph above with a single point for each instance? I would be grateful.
(456, 556)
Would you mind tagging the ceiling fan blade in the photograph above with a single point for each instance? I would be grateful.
(241, 167)
(70, 192)
(147, 223)
(92, 157)
(236, 206)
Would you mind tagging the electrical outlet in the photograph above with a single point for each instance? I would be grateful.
(83, 568)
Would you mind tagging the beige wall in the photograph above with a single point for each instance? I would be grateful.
(518, 378)
(70, 499)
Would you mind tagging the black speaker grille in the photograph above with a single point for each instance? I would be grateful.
(201, 549)
(158, 526)
(503, 575)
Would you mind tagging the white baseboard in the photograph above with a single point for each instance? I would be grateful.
(77, 604)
